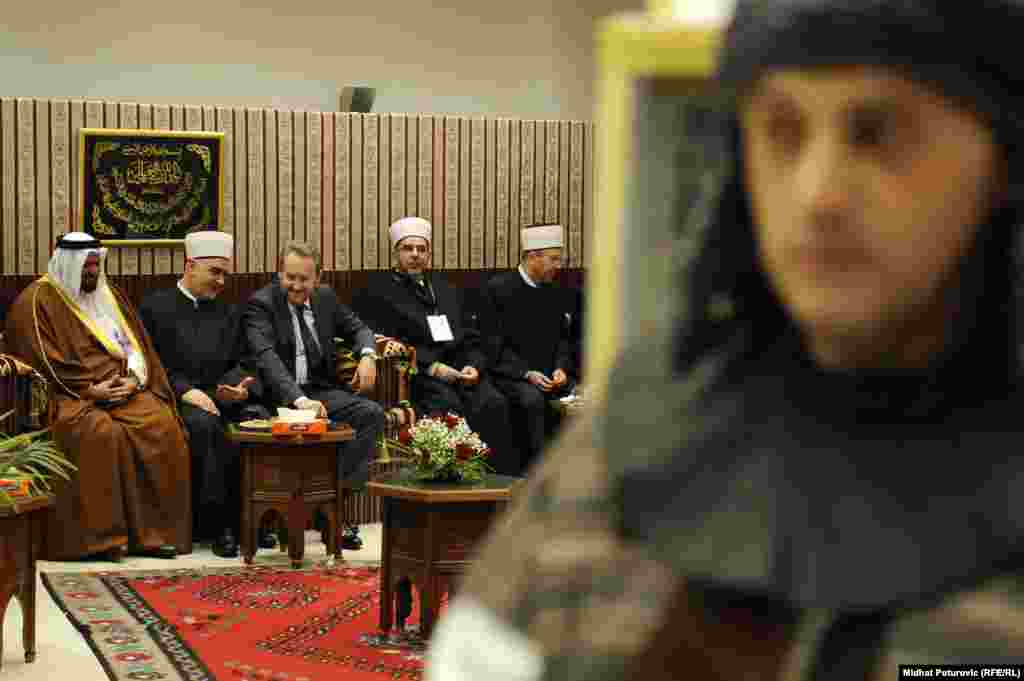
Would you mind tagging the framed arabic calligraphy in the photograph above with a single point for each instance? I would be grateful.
(150, 187)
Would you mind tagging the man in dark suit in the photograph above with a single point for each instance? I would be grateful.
(290, 326)
(527, 337)
(422, 309)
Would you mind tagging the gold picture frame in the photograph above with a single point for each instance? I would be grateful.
(137, 187)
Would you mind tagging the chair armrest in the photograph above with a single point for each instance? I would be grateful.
(393, 372)
(24, 394)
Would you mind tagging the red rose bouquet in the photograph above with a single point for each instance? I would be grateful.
(443, 448)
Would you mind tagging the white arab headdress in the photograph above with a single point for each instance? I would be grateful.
(68, 259)
(65, 271)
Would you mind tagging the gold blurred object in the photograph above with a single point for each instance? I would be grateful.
(650, 65)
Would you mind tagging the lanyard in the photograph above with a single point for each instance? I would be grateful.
(428, 291)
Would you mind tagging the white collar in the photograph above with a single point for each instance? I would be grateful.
(526, 278)
(187, 293)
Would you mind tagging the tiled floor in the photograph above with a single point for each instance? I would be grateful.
(62, 653)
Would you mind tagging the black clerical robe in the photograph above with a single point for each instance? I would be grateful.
(396, 305)
(525, 328)
(202, 346)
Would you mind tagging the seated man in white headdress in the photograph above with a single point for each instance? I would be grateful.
(527, 338)
(112, 412)
(201, 343)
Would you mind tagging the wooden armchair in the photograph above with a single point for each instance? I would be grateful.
(23, 395)
(393, 374)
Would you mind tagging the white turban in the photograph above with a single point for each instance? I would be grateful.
(209, 244)
(407, 227)
(68, 259)
(544, 236)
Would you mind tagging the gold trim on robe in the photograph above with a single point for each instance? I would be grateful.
(111, 346)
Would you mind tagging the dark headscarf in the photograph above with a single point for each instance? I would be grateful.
(863, 492)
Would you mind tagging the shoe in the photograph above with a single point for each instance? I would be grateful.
(225, 545)
(115, 554)
(266, 539)
(350, 541)
(319, 520)
(166, 551)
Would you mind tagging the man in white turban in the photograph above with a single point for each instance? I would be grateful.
(201, 343)
(421, 308)
(112, 412)
(527, 338)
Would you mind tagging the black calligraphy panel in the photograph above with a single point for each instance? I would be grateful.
(147, 186)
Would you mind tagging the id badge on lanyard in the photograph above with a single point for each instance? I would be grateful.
(440, 330)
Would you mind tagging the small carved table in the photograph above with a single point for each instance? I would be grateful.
(21, 528)
(430, 529)
(289, 475)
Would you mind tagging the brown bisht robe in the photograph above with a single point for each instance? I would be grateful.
(132, 484)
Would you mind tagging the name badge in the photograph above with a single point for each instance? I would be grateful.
(439, 329)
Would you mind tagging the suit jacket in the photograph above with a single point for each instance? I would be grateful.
(271, 338)
(392, 308)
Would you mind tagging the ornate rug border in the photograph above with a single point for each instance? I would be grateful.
(157, 630)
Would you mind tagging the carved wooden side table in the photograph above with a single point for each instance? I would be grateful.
(430, 530)
(290, 476)
(21, 528)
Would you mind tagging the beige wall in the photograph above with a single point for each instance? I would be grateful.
(528, 58)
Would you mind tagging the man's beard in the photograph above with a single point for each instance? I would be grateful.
(89, 285)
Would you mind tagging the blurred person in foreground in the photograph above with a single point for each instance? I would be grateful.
(836, 456)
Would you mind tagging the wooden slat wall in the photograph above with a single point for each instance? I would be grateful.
(336, 179)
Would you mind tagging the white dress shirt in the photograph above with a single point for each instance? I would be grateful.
(101, 314)
(301, 365)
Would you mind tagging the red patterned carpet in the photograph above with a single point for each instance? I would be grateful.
(239, 624)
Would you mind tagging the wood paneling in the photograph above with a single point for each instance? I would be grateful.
(241, 285)
(337, 179)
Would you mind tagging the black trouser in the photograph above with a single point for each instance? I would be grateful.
(532, 419)
(365, 416)
(485, 408)
(216, 477)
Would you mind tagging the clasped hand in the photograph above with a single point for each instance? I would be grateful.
(225, 393)
(469, 374)
(557, 380)
(114, 389)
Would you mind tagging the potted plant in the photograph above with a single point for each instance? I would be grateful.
(27, 463)
(442, 449)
